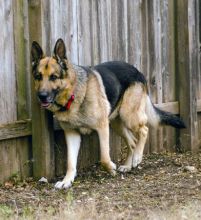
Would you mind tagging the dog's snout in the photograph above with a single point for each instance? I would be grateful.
(43, 95)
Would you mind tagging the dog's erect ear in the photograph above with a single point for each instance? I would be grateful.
(36, 52)
(60, 49)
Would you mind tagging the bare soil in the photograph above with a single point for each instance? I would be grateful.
(162, 180)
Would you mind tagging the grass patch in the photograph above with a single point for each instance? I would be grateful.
(6, 211)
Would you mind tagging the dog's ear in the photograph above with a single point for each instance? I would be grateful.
(36, 52)
(60, 50)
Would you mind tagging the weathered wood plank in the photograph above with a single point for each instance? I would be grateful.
(7, 63)
(158, 48)
(199, 105)
(84, 32)
(167, 70)
(134, 39)
(64, 24)
(193, 67)
(23, 145)
(8, 160)
(187, 77)
(172, 107)
(104, 26)
(42, 123)
(15, 129)
(198, 27)
(153, 66)
(20, 59)
(169, 79)
(198, 39)
(7, 89)
(95, 33)
(119, 21)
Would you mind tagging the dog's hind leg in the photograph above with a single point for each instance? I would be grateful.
(103, 133)
(138, 151)
(130, 141)
(133, 116)
(135, 150)
(73, 140)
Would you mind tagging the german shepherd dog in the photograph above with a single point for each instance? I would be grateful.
(85, 99)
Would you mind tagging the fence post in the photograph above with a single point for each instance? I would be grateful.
(23, 145)
(186, 80)
(42, 121)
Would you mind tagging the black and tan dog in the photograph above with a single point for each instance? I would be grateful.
(85, 99)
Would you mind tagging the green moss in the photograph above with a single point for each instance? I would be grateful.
(5, 211)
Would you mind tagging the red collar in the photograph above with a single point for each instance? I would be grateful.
(70, 100)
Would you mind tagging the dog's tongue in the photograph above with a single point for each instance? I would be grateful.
(45, 104)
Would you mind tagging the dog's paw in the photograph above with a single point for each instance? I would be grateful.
(124, 169)
(110, 167)
(63, 184)
(137, 159)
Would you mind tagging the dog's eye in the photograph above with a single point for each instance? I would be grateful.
(38, 76)
(53, 77)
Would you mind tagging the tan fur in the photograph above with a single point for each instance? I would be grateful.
(131, 124)
(132, 110)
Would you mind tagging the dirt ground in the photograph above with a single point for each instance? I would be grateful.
(161, 182)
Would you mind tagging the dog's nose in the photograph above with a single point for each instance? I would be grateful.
(43, 96)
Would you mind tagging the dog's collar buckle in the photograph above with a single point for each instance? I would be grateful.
(71, 99)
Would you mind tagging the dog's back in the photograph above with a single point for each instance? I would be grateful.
(117, 76)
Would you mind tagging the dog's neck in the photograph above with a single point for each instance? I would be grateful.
(74, 93)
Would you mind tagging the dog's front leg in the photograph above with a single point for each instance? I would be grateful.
(73, 140)
(103, 133)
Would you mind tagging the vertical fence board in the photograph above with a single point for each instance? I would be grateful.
(187, 78)
(63, 21)
(169, 77)
(135, 39)
(198, 34)
(42, 123)
(95, 33)
(193, 68)
(23, 145)
(169, 80)
(7, 70)
(104, 26)
(152, 63)
(8, 164)
(167, 70)
(84, 32)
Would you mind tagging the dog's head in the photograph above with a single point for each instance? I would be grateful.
(51, 74)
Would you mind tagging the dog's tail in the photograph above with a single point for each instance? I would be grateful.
(157, 116)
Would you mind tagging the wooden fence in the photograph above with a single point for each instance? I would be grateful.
(161, 38)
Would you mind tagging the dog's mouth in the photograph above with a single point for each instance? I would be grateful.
(46, 100)
(45, 104)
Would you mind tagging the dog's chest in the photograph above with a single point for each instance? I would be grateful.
(74, 121)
